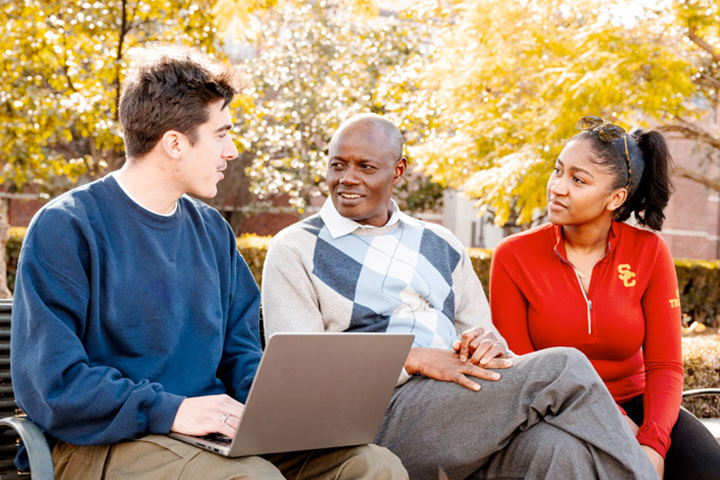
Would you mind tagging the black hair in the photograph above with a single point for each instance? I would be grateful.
(645, 171)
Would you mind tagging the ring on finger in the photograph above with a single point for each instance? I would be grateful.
(224, 418)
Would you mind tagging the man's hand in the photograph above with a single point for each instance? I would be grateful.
(446, 365)
(211, 414)
(486, 350)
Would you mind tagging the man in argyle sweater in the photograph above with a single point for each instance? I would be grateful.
(463, 403)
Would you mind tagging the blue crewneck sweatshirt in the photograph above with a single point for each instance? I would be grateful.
(119, 314)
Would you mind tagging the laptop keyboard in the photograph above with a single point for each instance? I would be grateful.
(218, 438)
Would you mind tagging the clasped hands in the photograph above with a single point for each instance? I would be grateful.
(475, 354)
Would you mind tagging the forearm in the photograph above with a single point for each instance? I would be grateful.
(90, 406)
(662, 398)
(662, 354)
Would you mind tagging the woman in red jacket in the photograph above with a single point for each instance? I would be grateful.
(589, 281)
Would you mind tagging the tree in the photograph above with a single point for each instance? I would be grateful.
(696, 26)
(312, 65)
(510, 79)
(62, 71)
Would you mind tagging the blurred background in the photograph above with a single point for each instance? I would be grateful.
(486, 93)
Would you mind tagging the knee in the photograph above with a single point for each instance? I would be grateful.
(570, 358)
(553, 445)
(542, 451)
(373, 461)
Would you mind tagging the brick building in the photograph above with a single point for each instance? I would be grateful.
(692, 228)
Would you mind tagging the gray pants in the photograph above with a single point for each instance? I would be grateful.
(549, 416)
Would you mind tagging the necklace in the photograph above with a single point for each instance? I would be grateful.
(579, 273)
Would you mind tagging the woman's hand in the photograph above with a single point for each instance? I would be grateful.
(656, 459)
(633, 426)
(483, 349)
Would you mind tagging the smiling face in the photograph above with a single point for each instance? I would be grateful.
(579, 190)
(363, 167)
(200, 166)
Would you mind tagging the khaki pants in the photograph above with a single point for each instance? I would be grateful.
(158, 457)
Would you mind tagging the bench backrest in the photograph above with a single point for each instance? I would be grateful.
(8, 407)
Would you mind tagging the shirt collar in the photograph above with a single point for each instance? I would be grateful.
(127, 192)
(339, 226)
(560, 241)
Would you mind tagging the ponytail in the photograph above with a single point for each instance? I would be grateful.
(651, 194)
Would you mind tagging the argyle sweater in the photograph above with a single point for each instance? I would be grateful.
(408, 277)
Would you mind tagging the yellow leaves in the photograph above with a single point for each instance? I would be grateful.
(251, 240)
(59, 62)
(509, 92)
(364, 8)
(236, 15)
(511, 177)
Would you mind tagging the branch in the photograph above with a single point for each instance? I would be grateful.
(683, 172)
(121, 40)
(65, 68)
(692, 133)
(697, 40)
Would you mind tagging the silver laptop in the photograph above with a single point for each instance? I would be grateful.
(315, 390)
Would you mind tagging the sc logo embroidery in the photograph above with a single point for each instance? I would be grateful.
(626, 275)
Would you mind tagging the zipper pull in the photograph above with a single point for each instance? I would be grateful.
(589, 304)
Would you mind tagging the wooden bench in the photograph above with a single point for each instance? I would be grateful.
(15, 425)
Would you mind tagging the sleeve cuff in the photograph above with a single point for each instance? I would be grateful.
(403, 378)
(161, 414)
(651, 435)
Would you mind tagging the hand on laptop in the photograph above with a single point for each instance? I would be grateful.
(446, 365)
(210, 414)
(483, 349)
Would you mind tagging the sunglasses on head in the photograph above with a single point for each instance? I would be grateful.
(607, 132)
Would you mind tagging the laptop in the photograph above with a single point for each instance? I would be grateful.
(315, 390)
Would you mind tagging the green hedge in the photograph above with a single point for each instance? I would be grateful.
(12, 251)
(699, 282)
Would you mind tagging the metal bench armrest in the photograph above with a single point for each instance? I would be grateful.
(701, 391)
(41, 464)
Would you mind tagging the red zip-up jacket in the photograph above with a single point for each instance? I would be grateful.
(628, 324)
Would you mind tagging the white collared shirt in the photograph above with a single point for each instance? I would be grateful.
(339, 226)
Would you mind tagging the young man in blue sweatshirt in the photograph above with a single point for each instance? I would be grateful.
(134, 313)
